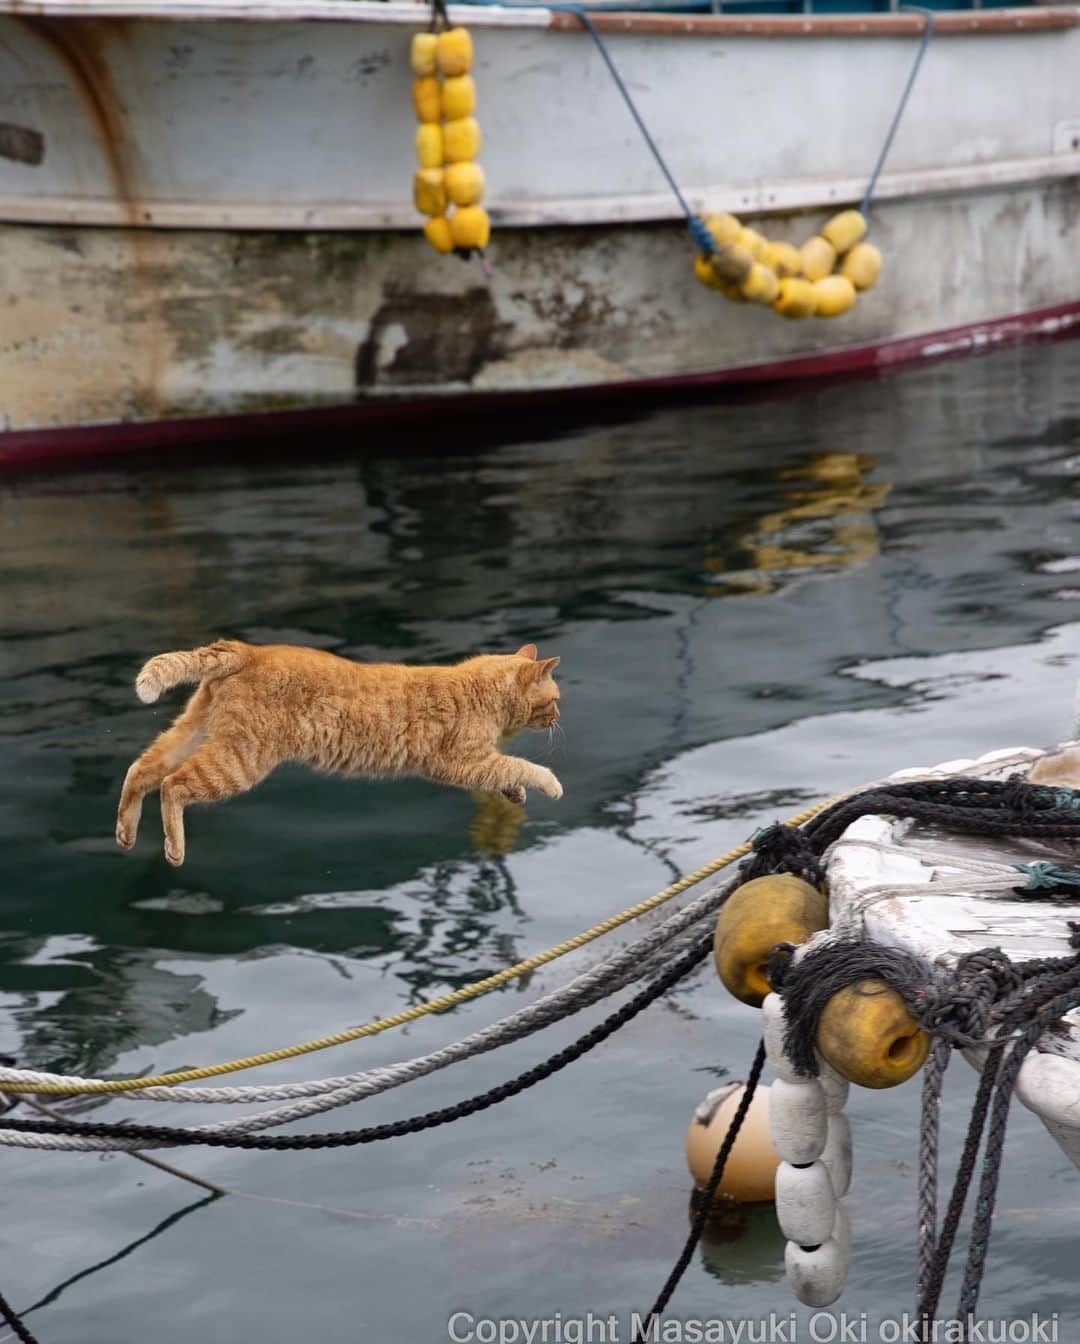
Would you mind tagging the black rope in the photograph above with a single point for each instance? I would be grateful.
(782, 849)
(7, 1314)
(416, 1124)
(708, 1194)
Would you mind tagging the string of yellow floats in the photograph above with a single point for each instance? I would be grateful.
(438, 1005)
(449, 184)
(820, 279)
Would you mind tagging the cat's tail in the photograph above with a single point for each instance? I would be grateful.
(185, 666)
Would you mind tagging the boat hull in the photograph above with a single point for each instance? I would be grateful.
(149, 287)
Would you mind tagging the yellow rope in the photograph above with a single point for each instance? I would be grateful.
(451, 1000)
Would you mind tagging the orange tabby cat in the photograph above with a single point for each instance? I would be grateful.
(258, 706)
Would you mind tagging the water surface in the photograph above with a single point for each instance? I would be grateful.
(755, 606)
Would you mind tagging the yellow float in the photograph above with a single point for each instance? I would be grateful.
(732, 263)
(835, 295)
(820, 279)
(796, 298)
(862, 265)
(867, 1034)
(818, 258)
(756, 916)
(454, 52)
(844, 230)
(470, 228)
(449, 185)
(761, 285)
(465, 183)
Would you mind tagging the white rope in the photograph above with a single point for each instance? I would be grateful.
(637, 960)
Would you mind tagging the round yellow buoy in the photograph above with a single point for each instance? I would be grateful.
(844, 230)
(470, 227)
(784, 258)
(429, 191)
(732, 262)
(461, 139)
(426, 98)
(454, 52)
(818, 257)
(761, 285)
(429, 144)
(754, 242)
(437, 232)
(867, 1034)
(750, 1171)
(465, 183)
(725, 229)
(755, 917)
(422, 53)
(705, 274)
(835, 295)
(458, 97)
(862, 265)
(797, 298)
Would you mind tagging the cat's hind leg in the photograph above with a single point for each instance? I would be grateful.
(168, 750)
(221, 768)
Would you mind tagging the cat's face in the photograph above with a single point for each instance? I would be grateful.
(539, 695)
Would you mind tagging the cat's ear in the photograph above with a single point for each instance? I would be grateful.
(526, 651)
(546, 666)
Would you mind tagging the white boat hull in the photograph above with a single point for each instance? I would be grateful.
(207, 210)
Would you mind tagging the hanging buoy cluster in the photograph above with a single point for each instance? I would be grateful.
(813, 1139)
(449, 183)
(820, 279)
(865, 1035)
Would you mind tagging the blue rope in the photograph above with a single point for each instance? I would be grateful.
(699, 232)
(928, 33)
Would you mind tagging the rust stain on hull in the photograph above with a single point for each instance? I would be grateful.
(80, 48)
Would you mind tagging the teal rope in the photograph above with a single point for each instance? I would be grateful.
(1043, 876)
(699, 232)
(928, 33)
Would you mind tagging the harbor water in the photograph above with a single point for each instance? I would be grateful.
(756, 604)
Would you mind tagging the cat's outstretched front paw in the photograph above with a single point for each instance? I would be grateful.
(515, 794)
(548, 785)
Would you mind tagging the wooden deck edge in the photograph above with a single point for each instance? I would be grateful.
(948, 23)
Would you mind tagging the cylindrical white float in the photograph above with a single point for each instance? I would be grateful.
(805, 1203)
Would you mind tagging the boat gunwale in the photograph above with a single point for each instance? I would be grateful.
(755, 200)
(1041, 18)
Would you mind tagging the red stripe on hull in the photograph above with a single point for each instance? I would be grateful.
(23, 449)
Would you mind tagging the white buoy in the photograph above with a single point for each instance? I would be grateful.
(835, 1086)
(773, 1027)
(805, 1203)
(818, 1274)
(836, 1154)
(813, 1137)
(799, 1120)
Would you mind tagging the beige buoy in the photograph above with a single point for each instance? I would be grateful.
(750, 1171)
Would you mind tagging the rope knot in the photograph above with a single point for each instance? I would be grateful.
(699, 232)
(782, 849)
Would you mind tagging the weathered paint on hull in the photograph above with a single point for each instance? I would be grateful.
(132, 324)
